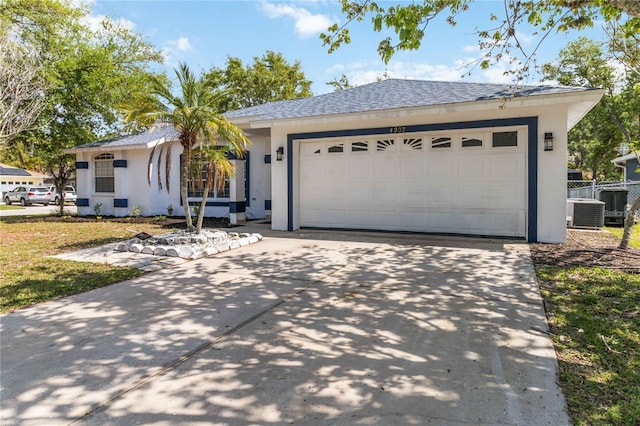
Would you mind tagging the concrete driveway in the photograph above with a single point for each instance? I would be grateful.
(314, 327)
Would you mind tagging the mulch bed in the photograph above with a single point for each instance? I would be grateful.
(589, 248)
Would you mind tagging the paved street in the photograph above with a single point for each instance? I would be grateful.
(37, 209)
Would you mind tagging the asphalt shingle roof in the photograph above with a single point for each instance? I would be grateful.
(391, 94)
(12, 171)
(156, 133)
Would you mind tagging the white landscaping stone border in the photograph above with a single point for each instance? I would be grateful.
(188, 245)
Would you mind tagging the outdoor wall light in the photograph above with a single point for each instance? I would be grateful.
(548, 141)
(279, 153)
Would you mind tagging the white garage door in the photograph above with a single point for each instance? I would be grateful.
(465, 183)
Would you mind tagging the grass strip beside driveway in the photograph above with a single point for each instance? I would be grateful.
(594, 320)
(635, 234)
(5, 207)
(29, 276)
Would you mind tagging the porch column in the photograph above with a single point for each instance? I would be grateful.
(237, 202)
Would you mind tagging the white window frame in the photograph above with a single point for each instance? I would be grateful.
(103, 169)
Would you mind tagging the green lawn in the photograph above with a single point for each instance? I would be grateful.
(28, 276)
(635, 234)
(594, 317)
(11, 207)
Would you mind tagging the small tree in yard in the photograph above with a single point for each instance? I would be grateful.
(219, 167)
(194, 112)
(626, 234)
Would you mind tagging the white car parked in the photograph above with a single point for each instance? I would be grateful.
(68, 195)
(27, 195)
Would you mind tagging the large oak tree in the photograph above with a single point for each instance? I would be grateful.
(87, 72)
(269, 78)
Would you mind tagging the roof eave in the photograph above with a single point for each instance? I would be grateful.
(623, 159)
(107, 147)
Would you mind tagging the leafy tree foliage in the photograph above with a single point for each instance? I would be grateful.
(88, 72)
(269, 78)
(500, 40)
(593, 142)
(194, 112)
(340, 83)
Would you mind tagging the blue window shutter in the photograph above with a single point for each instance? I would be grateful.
(237, 207)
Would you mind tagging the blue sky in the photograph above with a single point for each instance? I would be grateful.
(204, 33)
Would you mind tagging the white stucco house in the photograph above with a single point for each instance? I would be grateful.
(405, 155)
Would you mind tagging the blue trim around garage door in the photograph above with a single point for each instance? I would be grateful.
(532, 156)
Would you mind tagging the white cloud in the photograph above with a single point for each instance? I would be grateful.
(470, 48)
(183, 44)
(94, 22)
(172, 48)
(306, 23)
(364, 72)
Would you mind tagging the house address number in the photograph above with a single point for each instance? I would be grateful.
(399, 129)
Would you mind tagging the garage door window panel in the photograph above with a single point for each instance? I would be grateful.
(471, 142)
(414, 144)
(359, 147)
(504, 139)
(385, 145)
(441, 143)
(336, 148)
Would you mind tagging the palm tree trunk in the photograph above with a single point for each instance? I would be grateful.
(628, 224)
(203, 204)
(186, 155)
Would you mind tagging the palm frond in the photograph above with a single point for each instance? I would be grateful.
(149, 164)
(167, 169)
(159, 168)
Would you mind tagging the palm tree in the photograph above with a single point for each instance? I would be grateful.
(194, 113)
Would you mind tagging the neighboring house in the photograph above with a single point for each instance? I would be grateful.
(10, 177)
(399, 155)
(629, 164)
